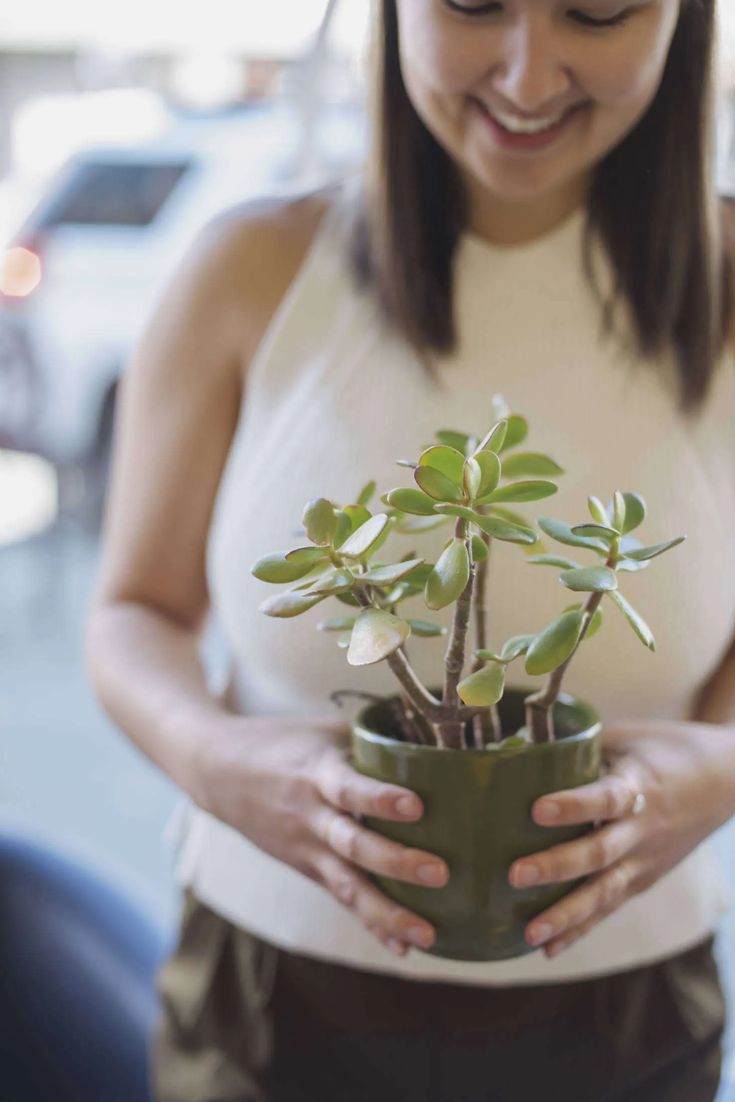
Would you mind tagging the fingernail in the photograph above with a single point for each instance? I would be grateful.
(548, 811)
(408, 806)
(525, 875)
(418, 936)
(397, 947)
(431, 874)
(540, 934)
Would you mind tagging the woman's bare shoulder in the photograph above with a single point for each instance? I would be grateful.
(261, 245)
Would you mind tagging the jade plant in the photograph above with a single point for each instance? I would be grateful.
(466, 482)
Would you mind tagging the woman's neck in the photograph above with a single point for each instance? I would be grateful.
(516, 223)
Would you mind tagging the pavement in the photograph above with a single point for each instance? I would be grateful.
(67, 774)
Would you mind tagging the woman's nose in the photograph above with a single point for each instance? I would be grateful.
(531, 73)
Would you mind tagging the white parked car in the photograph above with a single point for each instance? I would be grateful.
(79, 277)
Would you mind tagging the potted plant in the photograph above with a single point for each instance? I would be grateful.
(477, 752)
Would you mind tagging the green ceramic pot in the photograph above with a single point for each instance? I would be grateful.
(478, 818)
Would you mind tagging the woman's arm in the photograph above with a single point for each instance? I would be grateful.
(178, 407)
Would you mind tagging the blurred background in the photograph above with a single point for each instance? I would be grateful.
(122, 130)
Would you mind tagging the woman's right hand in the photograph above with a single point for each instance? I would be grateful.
(287, 785)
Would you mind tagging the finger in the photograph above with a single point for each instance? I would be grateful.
(387, 920)
(343, 787)
(609, 798)
(594, 851)
(557, 945)
(602, 893)
(377, 854)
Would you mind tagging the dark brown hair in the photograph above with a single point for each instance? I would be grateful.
(653, 202)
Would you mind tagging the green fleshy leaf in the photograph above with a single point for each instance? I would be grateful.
(551, 648)
(596, 531)
(436, 484)
(520, 491)
(590, 579)
(595, 623)
(344, 528)
(530, 465)
(357, 514)
(453, 439)
(553, 560)
(287, 566)
(618, 511)
(388, 575)
(562, 533)
(449, 461)
(517, 432)
(337, 623)
(598, 512)
(426, 629)
(376, 635)
(367, 537)
(484, 687)
(410, 500)
(491, 470)
(513, 648)
(320, 520)
(334, 582)
(449, 577)
(366, 492)
(635, 512)
(472, 479)
(645, 553)
(292, 603)
(348, 599)
(408, 525)
(493, 439)
(478, 548)
(636, 621)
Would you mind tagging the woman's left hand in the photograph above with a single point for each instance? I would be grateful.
(685, 771)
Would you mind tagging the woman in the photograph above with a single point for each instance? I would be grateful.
(530, 160)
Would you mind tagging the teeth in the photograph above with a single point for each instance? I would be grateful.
(524, 126)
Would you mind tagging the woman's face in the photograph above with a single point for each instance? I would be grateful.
(527, 96)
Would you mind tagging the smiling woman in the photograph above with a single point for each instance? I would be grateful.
(538, 217)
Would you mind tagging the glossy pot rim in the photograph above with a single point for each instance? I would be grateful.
(590, 731)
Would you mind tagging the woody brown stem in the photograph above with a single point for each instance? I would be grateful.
(452, 727)
(479, 605)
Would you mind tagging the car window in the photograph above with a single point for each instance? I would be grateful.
(105, 193)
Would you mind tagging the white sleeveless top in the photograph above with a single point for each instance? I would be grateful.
(332, 401)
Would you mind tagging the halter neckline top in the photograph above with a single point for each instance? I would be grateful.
(333, 399)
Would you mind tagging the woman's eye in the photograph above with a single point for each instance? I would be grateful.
(468, 8)
(472, 9)
(590, 20)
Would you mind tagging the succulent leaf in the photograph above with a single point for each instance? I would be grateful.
(590, 579)
(484, 687)
(449, 576)
(320, 520)
(530, 465)
(636, 621)
(375, 636)
(551, 648)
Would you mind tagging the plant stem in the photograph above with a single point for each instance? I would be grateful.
(451, 727)
(426, 704)
(539, 714)
(479, 605)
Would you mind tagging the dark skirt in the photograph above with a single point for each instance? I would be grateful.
(244, 1021)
